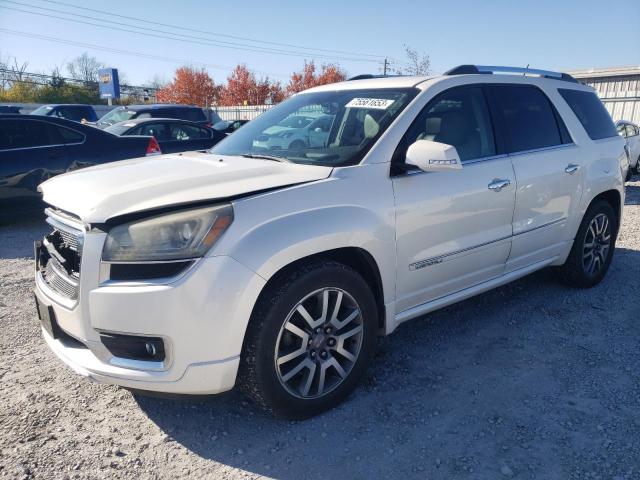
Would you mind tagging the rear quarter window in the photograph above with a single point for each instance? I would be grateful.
(591, 112)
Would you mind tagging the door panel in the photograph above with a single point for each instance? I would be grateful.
(547, 170)
(453, 232)
(547, 197)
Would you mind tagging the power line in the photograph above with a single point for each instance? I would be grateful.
(174, 36)
(129, 52)
(378, 57)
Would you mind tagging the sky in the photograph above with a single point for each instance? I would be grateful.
(275, 38)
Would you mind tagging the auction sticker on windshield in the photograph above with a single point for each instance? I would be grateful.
(375, 103)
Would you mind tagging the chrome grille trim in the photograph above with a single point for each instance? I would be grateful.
(58, 281)
(64, 280)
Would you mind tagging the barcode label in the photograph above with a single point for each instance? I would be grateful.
(374, 103)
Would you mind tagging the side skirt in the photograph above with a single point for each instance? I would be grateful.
(450, 299)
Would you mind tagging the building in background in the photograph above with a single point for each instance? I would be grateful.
(617, 87)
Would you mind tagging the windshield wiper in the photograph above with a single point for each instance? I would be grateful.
(265, 157)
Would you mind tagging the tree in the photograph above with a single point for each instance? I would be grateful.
(189, 86)
(308, 78)
(242, 86)
(57, 81)
(417, 63)
(85, 68)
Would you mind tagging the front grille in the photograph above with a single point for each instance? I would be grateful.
(69, 239)
(62, 283)
(60, 258)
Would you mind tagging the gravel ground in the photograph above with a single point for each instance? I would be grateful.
(532, 380)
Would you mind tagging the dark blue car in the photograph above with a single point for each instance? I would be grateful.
(131, 112)
(74, 112)
(34, 149)
(173, 135)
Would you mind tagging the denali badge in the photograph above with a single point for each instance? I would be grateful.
(425, 263)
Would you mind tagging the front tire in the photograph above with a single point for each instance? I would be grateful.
(593, 247)
(310, 339)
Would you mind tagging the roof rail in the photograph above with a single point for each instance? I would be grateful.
(366, 76)
(491, 69)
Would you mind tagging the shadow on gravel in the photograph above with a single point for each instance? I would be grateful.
(17, 236)
(517, 381)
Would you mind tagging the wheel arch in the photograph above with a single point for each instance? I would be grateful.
(614, 199)
(357, 258)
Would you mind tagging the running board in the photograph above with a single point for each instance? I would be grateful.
(452, 298)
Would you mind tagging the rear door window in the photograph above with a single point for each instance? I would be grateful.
(157, 130)
(591, 112)
(187, 132)
(71, 113)
(16, 134)
(529, 117)
(192, 114)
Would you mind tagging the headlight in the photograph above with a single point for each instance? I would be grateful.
(174, 236)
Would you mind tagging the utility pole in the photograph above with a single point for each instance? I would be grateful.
(384, 68)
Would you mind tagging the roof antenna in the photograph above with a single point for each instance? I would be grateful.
(527, 67)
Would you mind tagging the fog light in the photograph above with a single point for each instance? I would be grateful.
(134, 347)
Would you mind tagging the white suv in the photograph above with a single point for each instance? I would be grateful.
(276, 269)
(631, 132)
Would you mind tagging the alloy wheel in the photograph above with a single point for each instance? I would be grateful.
(319, 343)
(597, 243)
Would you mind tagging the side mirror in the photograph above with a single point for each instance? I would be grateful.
(433, 156)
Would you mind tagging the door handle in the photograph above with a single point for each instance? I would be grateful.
(498, 184)
(572, 168)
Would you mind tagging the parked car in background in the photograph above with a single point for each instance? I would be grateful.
(173, 135)
(229, 126)
(131, 112)
(74, 112)
(9, 109)
(276, 269)
(313, 134)
(631, 133)
(34, 149)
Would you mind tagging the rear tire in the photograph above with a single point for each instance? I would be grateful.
(310, 339)
(593, 247)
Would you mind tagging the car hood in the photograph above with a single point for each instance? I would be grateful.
(99, 193)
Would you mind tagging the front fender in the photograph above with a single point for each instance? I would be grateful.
(274, 230)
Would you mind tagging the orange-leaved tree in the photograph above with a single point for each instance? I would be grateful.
(190, 86)
(308, 77)
(244, 88)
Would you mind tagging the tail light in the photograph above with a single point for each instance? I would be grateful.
(153, 148)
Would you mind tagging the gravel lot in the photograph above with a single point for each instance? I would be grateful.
(532, 380)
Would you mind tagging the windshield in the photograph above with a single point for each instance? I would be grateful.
(342, 127)
(43, 110)
(116, 115)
